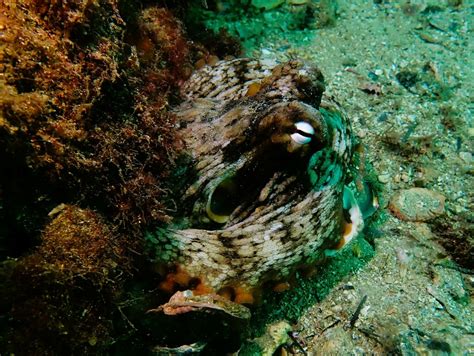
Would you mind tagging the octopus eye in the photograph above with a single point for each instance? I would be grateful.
(303, 134)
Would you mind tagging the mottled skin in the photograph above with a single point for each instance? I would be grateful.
(281, 201)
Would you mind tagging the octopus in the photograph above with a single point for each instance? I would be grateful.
(269, 166)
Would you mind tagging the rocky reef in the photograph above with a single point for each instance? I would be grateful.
(77, 114)
(67, 285)
(87, 141)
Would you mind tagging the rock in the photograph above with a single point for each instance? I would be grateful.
(267, 4)
(407, 78)
(186, 302)
(335, 341)
(276, 334)
(466, 157)
(189, 324)
(384, 178)
(417, 204)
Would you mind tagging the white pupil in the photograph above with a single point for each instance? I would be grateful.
(303, 127)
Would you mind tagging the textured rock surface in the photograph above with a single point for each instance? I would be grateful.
(416, 301)
(276, 335)
(417, 204)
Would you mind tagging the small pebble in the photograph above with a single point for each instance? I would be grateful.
(362, 133)
(466, 157)
(382, 117)
(384, 178)
(405, 177)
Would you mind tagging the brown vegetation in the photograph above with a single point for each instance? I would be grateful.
(64, 291)
(456, 234)
(85, 127)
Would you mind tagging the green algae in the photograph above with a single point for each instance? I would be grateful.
(255, 28)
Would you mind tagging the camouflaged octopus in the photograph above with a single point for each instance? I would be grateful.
(270, 158)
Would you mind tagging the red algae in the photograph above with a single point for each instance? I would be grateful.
(56, 119)
(66, 286)
(85, 127)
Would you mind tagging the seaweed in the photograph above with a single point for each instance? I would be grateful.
(87, 142)
(65, 290)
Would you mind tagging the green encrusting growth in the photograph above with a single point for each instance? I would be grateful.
(256, 22)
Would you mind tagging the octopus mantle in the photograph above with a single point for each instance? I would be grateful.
(269, 159)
